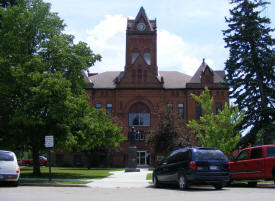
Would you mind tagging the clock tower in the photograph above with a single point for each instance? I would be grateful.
(141, 41)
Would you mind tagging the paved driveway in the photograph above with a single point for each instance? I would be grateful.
(121, 179)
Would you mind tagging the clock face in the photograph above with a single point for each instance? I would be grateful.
(141, 26)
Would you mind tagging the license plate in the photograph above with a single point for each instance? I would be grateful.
(213, 167)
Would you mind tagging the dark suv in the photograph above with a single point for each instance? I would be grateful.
(193, 165)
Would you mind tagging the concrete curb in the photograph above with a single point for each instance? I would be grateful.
(52, 185)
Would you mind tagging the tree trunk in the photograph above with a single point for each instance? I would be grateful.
(36, 164)
(88, 156)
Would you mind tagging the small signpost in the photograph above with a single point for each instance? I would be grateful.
(49, 143)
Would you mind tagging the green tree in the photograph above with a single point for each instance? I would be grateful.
(41, 81)
(216, 130)
(92, 131)
(250, 67)
(170, 133)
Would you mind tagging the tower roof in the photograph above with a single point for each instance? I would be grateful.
(141, 17)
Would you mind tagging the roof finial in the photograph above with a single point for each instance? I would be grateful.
(203, 60)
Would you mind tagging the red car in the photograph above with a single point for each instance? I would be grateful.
(254, 164)
(42, 160)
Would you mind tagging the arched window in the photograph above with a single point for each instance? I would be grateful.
(135, 54)
(147, 56)
(139, 115)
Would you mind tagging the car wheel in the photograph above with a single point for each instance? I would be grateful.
(15, 183)
(182, 182)
(218, 186)
(155, 181)
(252, 184)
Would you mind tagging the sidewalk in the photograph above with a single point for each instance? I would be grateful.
(122, 179)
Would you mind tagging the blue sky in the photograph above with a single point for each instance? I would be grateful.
(188, 30)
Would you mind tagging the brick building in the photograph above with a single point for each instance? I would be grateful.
(135, 94)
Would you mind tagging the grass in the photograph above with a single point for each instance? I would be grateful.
(68, 173)
(149, 176)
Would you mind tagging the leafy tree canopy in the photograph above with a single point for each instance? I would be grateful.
(250, 68)
(216, 130)
(41, 81)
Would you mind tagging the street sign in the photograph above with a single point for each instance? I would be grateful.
(49, 142)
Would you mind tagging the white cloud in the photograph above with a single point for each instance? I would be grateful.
(108, 39)
(173, 54)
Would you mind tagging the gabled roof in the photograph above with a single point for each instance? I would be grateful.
(218, 75)
(107, 80)
(174, 79)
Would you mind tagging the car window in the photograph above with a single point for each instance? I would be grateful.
(6, 156)
(172, 159)
(206, 154)
(242, 156)
(256, 153)
(180, 157)
(270, 152)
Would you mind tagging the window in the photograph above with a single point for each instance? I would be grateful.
(139, 119)
(139, 115)
(198, 110)
(256, 153)
(170, 107)
(270, 152)
(98, 105)
(140, 136)
(133, 76)
(109, 108)
(134, 56)
(6, 156)
(77, 160)
(145, 75)
(181, 110)
(218, 107)
(147, 58)
(242, 156)
(139, 75)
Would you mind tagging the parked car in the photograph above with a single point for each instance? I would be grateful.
(19, 162)
(193, 165)
(254, 164)
(9, 169)
(42, 161)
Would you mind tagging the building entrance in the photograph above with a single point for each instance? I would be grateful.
(143, 158)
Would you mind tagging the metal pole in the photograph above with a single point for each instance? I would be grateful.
(50, 165)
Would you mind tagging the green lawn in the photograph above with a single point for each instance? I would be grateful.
(68, 173)
(149, 176)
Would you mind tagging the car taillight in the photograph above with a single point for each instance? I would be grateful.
(18, 170)
(192, 165)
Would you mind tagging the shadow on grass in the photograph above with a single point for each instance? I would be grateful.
(69, 173)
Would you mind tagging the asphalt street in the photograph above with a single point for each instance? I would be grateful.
(38, 193)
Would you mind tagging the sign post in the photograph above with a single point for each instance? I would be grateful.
(49, 143)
